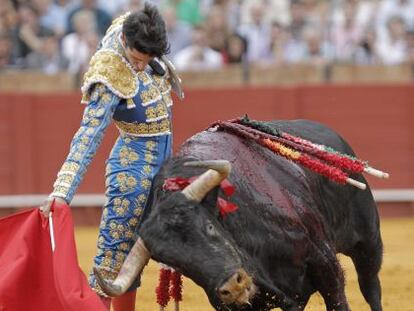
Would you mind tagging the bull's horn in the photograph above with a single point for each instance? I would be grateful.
(133, 265)
(218, 171)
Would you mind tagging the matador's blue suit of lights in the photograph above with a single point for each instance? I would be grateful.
(139, 103)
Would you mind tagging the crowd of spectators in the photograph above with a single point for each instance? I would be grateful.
(61, 35)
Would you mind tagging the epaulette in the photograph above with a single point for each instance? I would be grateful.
(113, 70)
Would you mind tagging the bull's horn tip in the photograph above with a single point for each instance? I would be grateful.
(109, 289)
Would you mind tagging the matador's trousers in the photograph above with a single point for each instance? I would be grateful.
(130, 169)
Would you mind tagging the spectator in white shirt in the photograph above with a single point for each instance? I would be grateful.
(198, 56)
(366, 53)
(52, 16)
(392, 47)
(102, 19)
(114, 7)
(48, 59)
(347, 33)
(78, 47)
(5, 50)
(257, 34)
(275, 10)
(410, 45)
(391, 8)
(311, 49)
(132, 6)
(178, 32)
(217, 28)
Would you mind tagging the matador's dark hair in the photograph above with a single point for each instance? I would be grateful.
(145, 31)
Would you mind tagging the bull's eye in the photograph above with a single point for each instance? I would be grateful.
(210, 229)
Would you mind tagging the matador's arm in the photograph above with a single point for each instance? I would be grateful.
(96, 118)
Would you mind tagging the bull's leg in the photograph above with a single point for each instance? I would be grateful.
(328, 278)
(367, 258)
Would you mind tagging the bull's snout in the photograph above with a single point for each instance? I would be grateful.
(238, 289)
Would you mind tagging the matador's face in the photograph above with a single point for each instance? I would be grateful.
(138, 60)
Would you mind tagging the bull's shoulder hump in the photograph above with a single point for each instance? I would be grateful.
(300, 125)
(208, 136)
(211, 144)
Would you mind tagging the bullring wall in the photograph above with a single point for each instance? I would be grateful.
(377, 120)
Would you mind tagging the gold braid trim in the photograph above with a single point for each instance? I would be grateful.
(113, 70)
(163, 127)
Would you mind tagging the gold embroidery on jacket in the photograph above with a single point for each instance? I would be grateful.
(162, 83)
(70, 167)
(167, 99)
(84, 139)
(151, 95)
(113, 70)
(144, 77)
(161, 110)
(164, 126)
(64, 178)
(94, 122)
(151, 113)
(61, 190)
(156, 112)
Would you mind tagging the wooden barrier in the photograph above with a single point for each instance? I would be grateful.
(287, 75)
(371, 74)
(230, 76)
(239, 76)
(36, 82)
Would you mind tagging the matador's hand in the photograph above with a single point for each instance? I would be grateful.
(46, 206)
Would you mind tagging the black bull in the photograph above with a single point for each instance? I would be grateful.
(280, 246)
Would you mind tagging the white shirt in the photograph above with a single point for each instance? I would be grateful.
(185, 59)
(76, 51)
